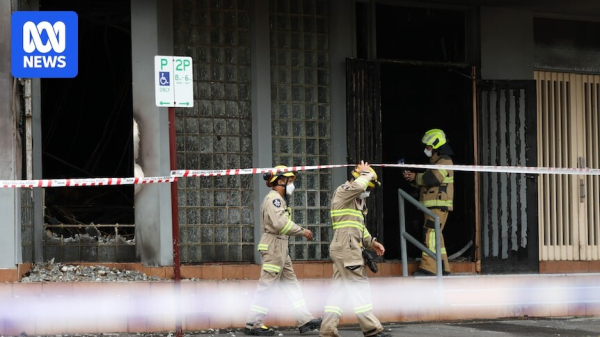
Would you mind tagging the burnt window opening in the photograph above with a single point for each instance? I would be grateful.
(87, 127)
(566, 45)
(420, 34)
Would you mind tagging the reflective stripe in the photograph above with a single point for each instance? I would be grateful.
(431, 243)
(287, 227)
(448, 180)
(347, 211)
(443, 172)
(259, 309)
(364, 308)
(363, 181)
(334, 309)
(271, 267)
(299, 304)
(348, 223)
(438, 203)
(262, 246)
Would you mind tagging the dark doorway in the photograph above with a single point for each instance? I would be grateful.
(87, 120)
(415, 99)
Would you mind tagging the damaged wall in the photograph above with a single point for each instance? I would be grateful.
(10, 158)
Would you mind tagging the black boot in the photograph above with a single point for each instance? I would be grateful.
(262, 331)
(311, 325)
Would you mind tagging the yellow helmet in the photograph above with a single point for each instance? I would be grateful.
(270, 177)
(434, 138)
(373, 183)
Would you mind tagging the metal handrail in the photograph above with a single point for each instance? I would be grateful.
(402, 195)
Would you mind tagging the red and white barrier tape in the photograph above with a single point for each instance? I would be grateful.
(235, 172)
(230, 172)
(469, 168)
(84, 182)
(502, 169)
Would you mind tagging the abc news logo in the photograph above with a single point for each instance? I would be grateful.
(44, 44)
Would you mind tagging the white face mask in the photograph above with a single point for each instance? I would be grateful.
(365, 195)
(428, 152)
(289, 189)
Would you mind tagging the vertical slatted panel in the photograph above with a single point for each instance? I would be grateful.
(592, 148)
(556, 202)
(363, 118)
(568, 128)
(504, 195)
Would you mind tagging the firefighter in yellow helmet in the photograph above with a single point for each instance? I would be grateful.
(277, 226)
(350, 237)
(436, 193)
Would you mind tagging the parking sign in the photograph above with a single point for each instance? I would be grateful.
(174, 82)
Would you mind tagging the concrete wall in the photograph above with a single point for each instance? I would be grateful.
(261, 109)
(10, 150)
(151, 34)
(343, 46)
(506, 44)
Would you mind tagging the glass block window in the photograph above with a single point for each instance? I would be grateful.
(216, 221)
(301, 117)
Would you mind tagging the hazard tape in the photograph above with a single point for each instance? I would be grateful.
(469, 168)
(231, 172)
(84, 182)
(235, 172)
(501, 169)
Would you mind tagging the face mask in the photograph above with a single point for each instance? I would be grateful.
(428, 152)
(289, 189)
(364, 195)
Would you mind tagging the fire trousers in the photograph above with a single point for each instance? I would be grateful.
(276, 270)
(428, 262)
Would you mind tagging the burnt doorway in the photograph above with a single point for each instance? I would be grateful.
(509, 231)
(87, 130)
(414, 99)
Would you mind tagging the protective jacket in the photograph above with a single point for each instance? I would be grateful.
(347, 212)
(277, 217)
(437, 186)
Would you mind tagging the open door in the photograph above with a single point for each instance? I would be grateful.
(509, 231)
(363, 123)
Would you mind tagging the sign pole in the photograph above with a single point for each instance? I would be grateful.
(174, 87)
(175, 220)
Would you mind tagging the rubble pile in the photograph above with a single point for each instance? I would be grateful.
(58, 272)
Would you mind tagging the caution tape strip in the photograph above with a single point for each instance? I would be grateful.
(84, 182)
(230, 172)
(502, 169)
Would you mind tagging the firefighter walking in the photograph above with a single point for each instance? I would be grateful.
(436, 193)
(350, 237)
(277, 227)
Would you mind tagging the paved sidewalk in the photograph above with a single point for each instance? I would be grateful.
(539, 327)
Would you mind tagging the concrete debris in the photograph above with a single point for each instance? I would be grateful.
(57, 272)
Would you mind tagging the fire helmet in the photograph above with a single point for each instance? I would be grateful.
(434, 138)
(271, 177)
(373, 183)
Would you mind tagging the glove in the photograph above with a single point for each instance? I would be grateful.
(370, 261)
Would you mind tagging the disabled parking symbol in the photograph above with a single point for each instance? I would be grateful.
(163, 78)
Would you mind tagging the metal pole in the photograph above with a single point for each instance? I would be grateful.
(402, 231)
(438, 249)
(175, 220)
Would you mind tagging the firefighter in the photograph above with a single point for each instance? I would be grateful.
(350, 237)
(436, 193)
(277, 227)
